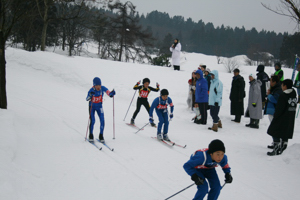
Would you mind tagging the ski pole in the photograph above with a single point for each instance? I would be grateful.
(114, 116)
(143, 127)
(180, 191)
(130, 105)
(87, 128)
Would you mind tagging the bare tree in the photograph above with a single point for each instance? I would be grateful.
(230, 64)
(288, 8)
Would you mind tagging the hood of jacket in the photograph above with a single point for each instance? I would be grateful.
(200, 73)
(260, 68)
(216, 73)
(255, 82)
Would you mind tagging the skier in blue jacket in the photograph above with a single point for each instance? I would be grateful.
(201, 96)
(201, 166)
(160, 104)
(95, 98)
(215, 100)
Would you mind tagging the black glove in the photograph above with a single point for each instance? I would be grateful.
(92, 93)
(228, 178)
(197, 179)
(216, 104)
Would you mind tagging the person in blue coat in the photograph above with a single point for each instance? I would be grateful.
(95, 98)
(201, 167)
(201, 96)
(215, 100)
(160, 104)
(272, 99)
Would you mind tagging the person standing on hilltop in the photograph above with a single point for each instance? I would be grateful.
(175, 49)
(264, 79)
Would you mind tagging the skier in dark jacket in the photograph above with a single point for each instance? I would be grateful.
(264, 78)
(201, 167)
(279, 71)
(282, 125)
(237, 95)
(144, 91)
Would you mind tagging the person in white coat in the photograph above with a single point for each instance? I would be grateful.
(175, 49)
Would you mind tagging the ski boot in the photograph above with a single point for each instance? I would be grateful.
(101, 138)
(91, 137)
(159, 136)
(132, 121)
(153, 124)
(166, 137)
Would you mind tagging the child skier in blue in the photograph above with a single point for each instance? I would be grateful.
(160, 104)
(202, 165)
(95, 98)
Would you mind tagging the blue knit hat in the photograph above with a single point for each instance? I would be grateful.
(96, 81)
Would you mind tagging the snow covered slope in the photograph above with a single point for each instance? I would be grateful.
(44, 156)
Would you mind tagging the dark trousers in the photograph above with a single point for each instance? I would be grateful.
(214, 113)
(140, 102)
(176, 67)
(203, 111)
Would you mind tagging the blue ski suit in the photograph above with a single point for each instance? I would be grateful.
(161, 109)
(95, 105)
(201, 164)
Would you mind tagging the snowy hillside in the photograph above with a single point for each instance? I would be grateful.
(44, 156)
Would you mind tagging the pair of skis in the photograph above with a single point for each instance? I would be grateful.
(169, 143)
(99, 147)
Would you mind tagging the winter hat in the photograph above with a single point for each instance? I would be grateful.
(145, 80)
(207, 70)
(278, 64)
(164, 92)
(216, 145)
(251, 75)
(96, 81)
(190, 81)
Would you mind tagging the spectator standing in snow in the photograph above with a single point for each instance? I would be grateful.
(279, 71)
(202, 67)
(192, 89)
(282, 125)
(297, 82)
(201, 96)
(264, 79)
(254, 103)
(215, 100)
(175, 49)
(201, 167)
(207, 77)
(144, 91)
(237, 95)
(95, 98)
(160, 104)
(272, 99)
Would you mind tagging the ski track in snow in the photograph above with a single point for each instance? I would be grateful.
(44, 156)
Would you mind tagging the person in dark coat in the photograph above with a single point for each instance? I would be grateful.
(237, 95)
(273, 95)
(264, 78)
(297, 82)
(282, 125)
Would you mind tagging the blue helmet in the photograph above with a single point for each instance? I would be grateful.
(96, 81)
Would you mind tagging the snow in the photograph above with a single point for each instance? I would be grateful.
(44, 156)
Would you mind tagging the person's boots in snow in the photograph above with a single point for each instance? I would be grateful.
(91, 137)
(101, 138)
(283, 146)
(251, 122)
(276, 149)
(132, 121)
(159, 136)
(271, 146)
(153, 124)
(255, 124)
(166, 137)
(220, 124)
(214, 127)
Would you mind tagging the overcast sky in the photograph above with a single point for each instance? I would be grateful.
(247, 13)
